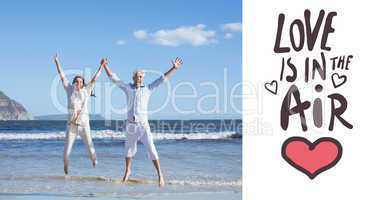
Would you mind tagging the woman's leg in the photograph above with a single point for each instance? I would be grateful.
(85, 134)
(70, 137)
(128, 165)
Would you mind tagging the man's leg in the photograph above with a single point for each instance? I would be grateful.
(70, 137)
(158, 169)
(85, 134)
(130, 148)
(148, 141)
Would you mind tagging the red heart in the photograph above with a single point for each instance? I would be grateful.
(311, 158)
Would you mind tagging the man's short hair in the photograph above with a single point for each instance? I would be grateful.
(135, 72)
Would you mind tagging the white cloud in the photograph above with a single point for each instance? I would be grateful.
(121, 42)
(140, 34)
(184, 35)
(228, 36)
(232, 27)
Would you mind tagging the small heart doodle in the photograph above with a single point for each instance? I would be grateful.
(271, 87)
(338, 80)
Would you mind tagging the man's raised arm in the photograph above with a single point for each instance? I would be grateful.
(114, 78)
(175, 65)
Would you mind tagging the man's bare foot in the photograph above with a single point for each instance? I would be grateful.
(66, 169)
(126, 176)
(161, 181)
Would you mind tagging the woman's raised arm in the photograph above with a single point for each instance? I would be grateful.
(103, 62)
(60, 71)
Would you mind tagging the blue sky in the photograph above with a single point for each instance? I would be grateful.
(147, 34)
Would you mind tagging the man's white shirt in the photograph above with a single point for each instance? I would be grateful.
(137, 98)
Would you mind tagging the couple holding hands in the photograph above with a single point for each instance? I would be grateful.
(137, 127)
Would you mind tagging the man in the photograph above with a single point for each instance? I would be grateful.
(137, 127)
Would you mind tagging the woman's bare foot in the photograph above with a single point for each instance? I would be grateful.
(161, 181)
(126, 176)
(94, 163)
(66, 169)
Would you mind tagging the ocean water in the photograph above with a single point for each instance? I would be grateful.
(200, 159)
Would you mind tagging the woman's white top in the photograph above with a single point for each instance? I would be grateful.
(78, 100)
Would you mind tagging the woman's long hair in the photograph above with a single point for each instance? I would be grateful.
(84, 84)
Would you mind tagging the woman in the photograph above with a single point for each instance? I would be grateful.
(78, 94)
